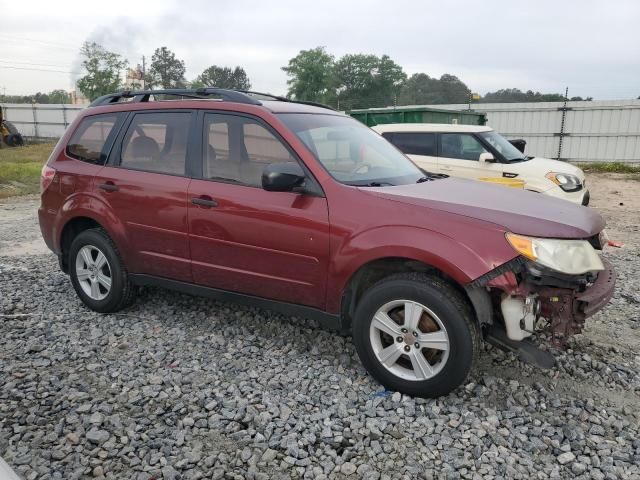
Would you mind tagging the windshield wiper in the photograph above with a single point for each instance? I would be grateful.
(371, 184)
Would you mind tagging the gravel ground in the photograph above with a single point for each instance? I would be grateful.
(183, 387)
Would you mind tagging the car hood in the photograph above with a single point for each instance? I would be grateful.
(517, 211)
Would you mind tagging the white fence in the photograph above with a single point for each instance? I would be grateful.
(598, 131)
(606, 131)
(40, 120)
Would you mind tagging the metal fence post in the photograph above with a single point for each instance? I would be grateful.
(562, 122)
(35, 120)
(64, 116)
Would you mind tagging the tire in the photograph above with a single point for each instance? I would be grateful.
(90, 279)
(443, 332)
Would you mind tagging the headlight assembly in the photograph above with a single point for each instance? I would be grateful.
(566, 256)
(566, 181)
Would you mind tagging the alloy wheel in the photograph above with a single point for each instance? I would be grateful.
(409, 340)
(93, 272)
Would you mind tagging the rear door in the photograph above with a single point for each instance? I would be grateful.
(418, 146)
(243, 238)
(459, 156)
(144, 188)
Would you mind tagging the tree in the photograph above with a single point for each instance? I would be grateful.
(420, 89)
(103, 70)
(310, 76)
(223, 77)
(364, 81)
(166, 70)
(58, 96)
(510, 95)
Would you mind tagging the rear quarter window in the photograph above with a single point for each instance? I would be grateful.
(88, 141)
(413, 143)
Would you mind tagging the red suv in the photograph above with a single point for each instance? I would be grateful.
(298, 208)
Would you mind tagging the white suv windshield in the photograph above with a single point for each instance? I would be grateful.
(352, 153)
(503, 146)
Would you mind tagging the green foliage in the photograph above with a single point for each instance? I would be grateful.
(610, 167)
(20, 168)
(103, 71)
(512, 95)
(166, 70)
(367, 81)
(54, 96)
(311, 76)
(223, 77)
(420, 89)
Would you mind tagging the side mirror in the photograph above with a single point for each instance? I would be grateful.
(519, 143)
(282, 177)
(487, 157)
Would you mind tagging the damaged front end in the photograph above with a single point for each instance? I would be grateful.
(526, 297)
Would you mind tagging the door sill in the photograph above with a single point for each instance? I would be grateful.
(327, 320)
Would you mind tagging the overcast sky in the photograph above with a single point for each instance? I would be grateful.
(591, 46)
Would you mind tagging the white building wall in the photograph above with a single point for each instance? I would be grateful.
(40, 120)
(606, 131)
(597, 131)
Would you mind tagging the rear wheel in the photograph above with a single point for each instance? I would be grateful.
(97, 272)
(415, 334)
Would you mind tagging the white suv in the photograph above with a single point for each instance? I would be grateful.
(475, 152)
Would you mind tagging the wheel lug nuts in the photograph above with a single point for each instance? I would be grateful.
(404, 330)
(417, 345)
(407, 348)
(415, 334)
(399, 339)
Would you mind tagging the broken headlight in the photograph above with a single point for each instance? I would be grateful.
(566, 256)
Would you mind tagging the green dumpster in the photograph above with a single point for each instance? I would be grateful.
(417, 114)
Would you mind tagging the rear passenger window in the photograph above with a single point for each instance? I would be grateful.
(88, 141)
(236, 149)
(414, 143)
(157, 142)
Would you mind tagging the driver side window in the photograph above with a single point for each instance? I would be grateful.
(462, 146)
(236, 149)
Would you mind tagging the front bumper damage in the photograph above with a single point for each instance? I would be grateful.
(526, 298)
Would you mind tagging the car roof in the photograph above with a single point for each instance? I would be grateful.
(429, 127)
(207, 96)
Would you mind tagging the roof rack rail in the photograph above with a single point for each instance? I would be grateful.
(144, 95)
(285, 99)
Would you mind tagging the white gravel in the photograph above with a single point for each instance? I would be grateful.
(183, 387)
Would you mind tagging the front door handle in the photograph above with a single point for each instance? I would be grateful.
(109, 187)
(204, 201)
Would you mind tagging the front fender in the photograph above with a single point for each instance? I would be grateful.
(464, 259)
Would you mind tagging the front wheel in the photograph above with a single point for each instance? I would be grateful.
(415, 334)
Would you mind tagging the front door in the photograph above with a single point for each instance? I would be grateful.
(460, 157)
(246, 239)
(144, 187)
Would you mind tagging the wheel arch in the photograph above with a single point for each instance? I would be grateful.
(70, 230)
(377, 269)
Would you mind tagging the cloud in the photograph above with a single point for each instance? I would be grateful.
(544, 45)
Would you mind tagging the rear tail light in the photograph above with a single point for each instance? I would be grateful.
(46, 177)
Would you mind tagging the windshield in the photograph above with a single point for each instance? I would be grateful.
(502, 145)
(352, 153)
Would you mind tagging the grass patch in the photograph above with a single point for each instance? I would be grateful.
(20, 168)
(610, 167)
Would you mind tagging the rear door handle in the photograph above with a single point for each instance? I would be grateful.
(204, 201)
(109, 187)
